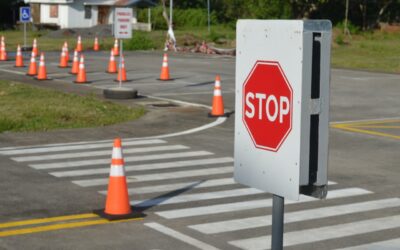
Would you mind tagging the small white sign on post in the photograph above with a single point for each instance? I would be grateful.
(123, 23)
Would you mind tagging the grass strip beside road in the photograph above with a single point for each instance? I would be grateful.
(28, 108)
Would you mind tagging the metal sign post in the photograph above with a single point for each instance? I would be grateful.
(25, 17)
(282, 99)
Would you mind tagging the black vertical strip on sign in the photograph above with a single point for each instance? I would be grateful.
(314, 119)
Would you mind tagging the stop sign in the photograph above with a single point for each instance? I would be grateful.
(267, 105)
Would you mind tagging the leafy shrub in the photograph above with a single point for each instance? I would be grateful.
(339, 39)
(139, 41)
(352, 28)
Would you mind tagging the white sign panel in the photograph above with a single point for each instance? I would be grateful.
(123, 23)
(282, 106)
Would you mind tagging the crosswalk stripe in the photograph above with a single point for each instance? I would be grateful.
(322, 233)
(386, 245)
(252, 204)
(69, 164)
(159, 176)
(197, 197)
(179, 186)
(150, 166)
(310, 214)
(180, 236)
(97, 153)
(76, 146)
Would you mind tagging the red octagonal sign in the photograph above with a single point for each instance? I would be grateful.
(267, 105)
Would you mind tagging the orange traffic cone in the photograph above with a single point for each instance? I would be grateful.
(35, 47)
(3, 52)
(19, 61)
(75, 64)
(164, 76)
(116, 49)
(63, 59)
(218, 102)
(66, 51)
(117, 202)
(32, 66)
(96, 46)
(79, 44)
(81, 76)
(112, 65)
(42, 73)
(121, 71)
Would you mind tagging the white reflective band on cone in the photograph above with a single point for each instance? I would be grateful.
(217, 92)
(117, 153)
(117, 170)
(217, 84)
(165, 64)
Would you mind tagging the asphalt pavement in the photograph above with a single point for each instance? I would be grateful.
(179, 166)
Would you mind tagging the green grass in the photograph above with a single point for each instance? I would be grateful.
(374, 51)
(27, 108)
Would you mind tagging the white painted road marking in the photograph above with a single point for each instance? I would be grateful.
(310, 214)
(161, 176)
(322, 233)
(252, 204)
(179, 236)
(71, 164)
(393, 244)
(126, 150)
(150, 166)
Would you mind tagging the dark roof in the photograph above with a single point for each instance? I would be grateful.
(138, 3)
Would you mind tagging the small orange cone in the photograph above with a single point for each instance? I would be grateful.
(79, 44)
(42, 73)
(164, 76)
(81, 76)
(121, 71)
(63, 59)
(96, 46)
(66, 51)
(35, 47)
(3, 52)
(112, 65)
(19, 61)
(32, 66)
(218, 102)
(117, 202)
(75, 64)
(116, 49)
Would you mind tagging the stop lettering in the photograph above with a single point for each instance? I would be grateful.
(267, 105)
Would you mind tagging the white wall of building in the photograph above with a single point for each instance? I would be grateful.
(45, 14)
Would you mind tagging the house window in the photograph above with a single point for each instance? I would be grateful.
(88, 12)
(54, 10)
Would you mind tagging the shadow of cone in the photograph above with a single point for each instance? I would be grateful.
(117, 202)
(218, 102)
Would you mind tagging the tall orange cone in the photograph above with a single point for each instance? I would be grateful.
(96, 46)
(121, 71)
(164, 75)
(32, 66)
(35, 47)
(112, 64)
(116, 49)
(66, 51)
(3, 52)
(63, 59)
(19, 61)
(79, 44)
(75, 64)
(218, 102)
(117, 202)
(81, 76)
(42, 73)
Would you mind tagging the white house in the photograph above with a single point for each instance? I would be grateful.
(81, 13)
